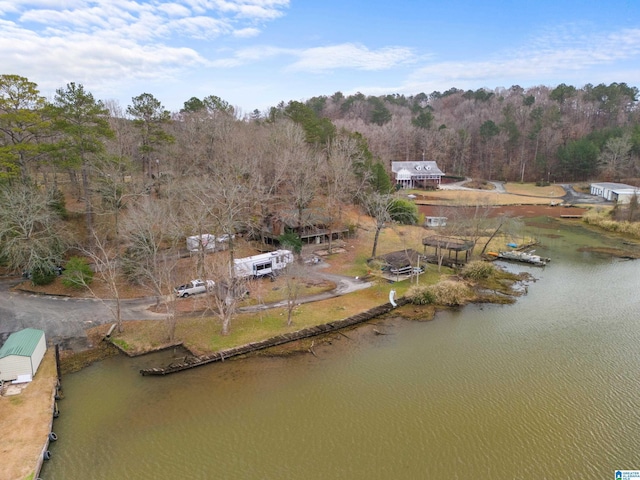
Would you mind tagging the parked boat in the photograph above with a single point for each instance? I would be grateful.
(524, 257)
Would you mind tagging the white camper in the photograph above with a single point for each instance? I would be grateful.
(208, 242)
(265, 264)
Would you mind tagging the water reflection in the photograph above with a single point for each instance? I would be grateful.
(543, 388)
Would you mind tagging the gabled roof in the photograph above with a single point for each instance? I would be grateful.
(22, 343)
(403, 174)
(400, 258)
(310, 216)
(417, 168)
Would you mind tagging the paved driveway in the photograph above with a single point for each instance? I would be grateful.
(571, 196)
(63, 319)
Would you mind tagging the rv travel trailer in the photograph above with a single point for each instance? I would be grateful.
(264, 264)
(207, 243)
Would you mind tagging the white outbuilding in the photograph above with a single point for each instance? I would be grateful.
(615, 192)
(21, 355)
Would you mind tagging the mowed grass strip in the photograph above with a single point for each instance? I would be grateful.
(517, 194)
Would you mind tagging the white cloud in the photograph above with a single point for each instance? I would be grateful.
(246, 32)
(349, 55)
(262, 12)
(254, 9)
(200, 27)
(90, 60)
(551, 55)
(321, 59)
(251, 55)
(174, 9)
(102, 42)
(113, 46)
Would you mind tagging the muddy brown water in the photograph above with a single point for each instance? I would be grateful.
(544, 388)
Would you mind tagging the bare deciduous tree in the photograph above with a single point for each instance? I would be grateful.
(615, 157)
(105, 257)
(229, 290)
(378, 207)
(293, 277)
(32, 235)
(339, 182)
(151, 254)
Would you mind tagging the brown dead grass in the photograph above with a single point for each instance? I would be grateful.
(517, 194)
(25, 421)
(98, 288)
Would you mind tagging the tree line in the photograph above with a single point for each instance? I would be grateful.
(538, 134)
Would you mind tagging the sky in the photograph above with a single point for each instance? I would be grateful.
(255, 54)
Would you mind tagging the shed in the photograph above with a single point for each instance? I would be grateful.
(400, 262)
(435, 221)
(21, 354)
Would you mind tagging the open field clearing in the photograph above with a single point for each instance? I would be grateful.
(544, 196)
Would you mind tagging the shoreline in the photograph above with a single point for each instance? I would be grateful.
(100, 349)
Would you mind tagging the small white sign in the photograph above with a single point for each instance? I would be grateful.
(627, 474)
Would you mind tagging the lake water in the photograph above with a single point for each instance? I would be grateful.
(545, 388)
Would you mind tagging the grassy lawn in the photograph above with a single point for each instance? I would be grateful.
(517, 194)
(200, 329)
(530, 189)
(201, 333)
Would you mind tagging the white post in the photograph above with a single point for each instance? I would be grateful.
(391, 300)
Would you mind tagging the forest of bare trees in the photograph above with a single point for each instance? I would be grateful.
(537, 134)
(147, 178)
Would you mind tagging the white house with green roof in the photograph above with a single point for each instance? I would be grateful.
(21, 354)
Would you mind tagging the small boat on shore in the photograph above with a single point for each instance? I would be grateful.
(523, 257)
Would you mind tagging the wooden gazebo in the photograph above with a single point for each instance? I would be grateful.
(454, 247)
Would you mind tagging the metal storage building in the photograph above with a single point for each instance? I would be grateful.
(21, 354)
(615, 192)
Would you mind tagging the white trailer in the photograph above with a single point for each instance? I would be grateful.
(208, 242)
(265, 264)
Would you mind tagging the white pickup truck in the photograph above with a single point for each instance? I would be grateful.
(194, 287)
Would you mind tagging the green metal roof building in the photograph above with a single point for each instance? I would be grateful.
(21, 355)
